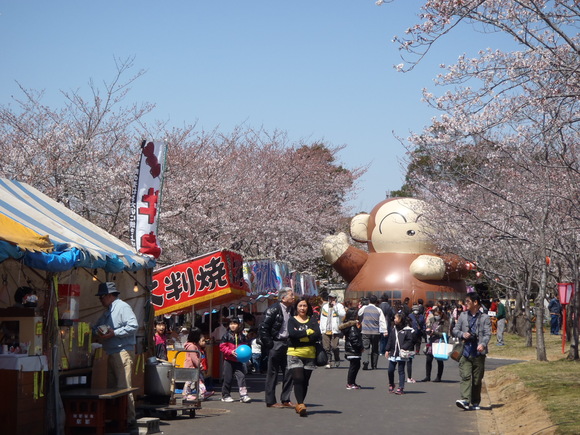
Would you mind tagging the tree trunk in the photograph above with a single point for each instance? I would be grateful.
(510, 313)
(528, 320)
(539, 310)
(519, 315)
(573, 319)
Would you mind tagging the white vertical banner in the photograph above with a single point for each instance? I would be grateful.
(146, 198)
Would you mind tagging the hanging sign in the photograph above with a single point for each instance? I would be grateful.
(216, 277)
(146, 198)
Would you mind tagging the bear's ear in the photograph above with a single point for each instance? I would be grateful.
(359, 227)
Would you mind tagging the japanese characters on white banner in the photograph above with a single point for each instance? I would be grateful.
(146, 198)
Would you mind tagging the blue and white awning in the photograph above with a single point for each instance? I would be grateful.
(77, 242)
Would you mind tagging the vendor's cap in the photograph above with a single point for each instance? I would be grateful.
(333, 294)
(106, 288)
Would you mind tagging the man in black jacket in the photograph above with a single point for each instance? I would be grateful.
(273, 334)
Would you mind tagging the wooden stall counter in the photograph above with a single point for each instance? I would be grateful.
(23, 381)
(97, 408)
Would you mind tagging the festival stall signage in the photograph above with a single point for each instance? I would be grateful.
(215, 278)
(265, 276)
(146, 198)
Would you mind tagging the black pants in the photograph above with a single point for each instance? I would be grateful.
(277, 362)
(234, 369)
(353, 369)
(429, 365)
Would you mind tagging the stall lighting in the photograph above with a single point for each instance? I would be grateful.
(136, 287)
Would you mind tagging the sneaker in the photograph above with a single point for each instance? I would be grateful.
(411, 380)
(208, 394)
(365, 366)
(501, 344)
(327, 366)
(399, 392)
(245, 399)
(355, 387)
(391, 388)
(475, 407)
(337, 364)
(349, 387)
(227, 399)
(463, 404)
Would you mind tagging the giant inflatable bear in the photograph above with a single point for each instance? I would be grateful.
(401, 259)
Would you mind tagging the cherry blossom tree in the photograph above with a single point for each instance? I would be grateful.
(501, 162)
(83, 154)
(248, 190)
(254, 192)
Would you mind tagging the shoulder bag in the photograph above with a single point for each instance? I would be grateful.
(457, 351)
(403, 354)
(321, 356)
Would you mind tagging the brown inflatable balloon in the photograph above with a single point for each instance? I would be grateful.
(401, 259)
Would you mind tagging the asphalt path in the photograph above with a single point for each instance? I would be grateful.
(426, 408)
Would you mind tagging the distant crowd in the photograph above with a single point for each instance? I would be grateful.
(292, 330)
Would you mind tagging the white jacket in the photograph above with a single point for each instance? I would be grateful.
(338, 313)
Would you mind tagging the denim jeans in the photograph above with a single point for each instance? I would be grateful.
(401, 369)
(555, 324)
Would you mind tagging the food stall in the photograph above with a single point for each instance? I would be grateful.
(51, 262)
(199, 284)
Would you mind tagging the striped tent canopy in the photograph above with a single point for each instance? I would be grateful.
(46, 235)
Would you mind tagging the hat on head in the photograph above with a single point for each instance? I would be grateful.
(333, 294)
(106, 288)
(416, 308)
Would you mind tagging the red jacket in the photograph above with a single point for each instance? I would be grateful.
(230, 342)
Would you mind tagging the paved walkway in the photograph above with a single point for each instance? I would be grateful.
(426, 408)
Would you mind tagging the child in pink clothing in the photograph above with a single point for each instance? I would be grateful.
(192, 360)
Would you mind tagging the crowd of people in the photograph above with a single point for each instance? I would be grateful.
(371, 328)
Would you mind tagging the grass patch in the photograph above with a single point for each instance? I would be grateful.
(515, 347)
(556, 382)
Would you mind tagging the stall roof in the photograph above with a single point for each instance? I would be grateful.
(77, 242)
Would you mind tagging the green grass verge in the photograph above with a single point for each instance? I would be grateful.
(556, 382)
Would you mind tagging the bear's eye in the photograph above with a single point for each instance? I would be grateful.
(411, 232)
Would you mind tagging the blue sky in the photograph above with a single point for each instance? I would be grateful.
(318, 70)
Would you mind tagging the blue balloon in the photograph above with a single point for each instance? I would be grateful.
(244, 353)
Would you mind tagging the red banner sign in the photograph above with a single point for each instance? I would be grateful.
(216, 277)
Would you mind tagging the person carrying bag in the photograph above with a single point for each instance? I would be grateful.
(437, 329)
(399, 346)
